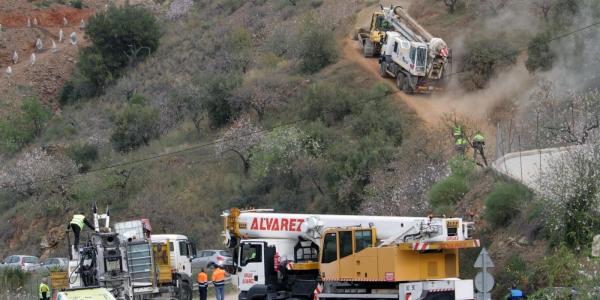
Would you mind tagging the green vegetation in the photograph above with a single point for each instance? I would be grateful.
(76, 4)
(539, 54)
(21, 129)
(136, 125)
(13, 279)
(506, 201)
(447, 192)
(120, 38)
(83, 155)
(317, 45)
(485, 56)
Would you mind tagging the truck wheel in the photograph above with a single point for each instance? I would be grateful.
(400, 81)
(185, 291)
(368, 49)
(407, 85)
(383, 69)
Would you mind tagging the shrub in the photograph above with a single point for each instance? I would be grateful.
(19, 130)
(216, 91)
(485, 56)
(120, 37)
(505, 202)
(13, 279)
(317, 47)
(83, 155)
(446, 193)
(77, 4)
(514, 272)
(539, 54)
(135, 126)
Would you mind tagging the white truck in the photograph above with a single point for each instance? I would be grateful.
(132, 263)
(410, 54)
(303, 256)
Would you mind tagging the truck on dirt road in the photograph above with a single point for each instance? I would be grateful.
(132, 263)
(407, 52)
(303, 256)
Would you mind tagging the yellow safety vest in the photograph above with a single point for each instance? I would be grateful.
(78, 220)
(44, 288)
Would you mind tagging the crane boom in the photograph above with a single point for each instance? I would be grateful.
(390, 230)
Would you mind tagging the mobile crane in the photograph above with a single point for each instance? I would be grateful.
(303, 256)
(407, 52)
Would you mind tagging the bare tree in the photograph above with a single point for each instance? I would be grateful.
(572, 121)
(262, 92)
(239, 139)
(543, 7)
(494, 6)
(451, 5)
(38, 170)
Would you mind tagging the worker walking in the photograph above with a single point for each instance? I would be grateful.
(218, 279)
(77, 224)
(460, 143)
(516, 294)
(477, 145)
(44, 290)
(202, 280)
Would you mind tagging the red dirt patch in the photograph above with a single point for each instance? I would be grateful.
(52, 17)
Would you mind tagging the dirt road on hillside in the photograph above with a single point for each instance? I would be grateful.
(478, 105)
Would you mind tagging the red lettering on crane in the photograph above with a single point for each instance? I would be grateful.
(261, 224)
(275, 224)
(284, 224)
(300, 221)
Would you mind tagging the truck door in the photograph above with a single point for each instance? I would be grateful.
(184, 261)
(251, 261)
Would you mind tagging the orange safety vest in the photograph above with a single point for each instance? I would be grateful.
(218, 277)
(202, 279)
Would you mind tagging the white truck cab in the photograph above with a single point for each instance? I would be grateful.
(181, 249)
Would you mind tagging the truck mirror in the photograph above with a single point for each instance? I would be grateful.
(239, 269)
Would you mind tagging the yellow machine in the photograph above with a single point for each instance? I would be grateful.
(372, 38)
(339, 256)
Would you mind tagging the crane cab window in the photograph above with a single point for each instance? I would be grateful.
(363, 239)
(329, 248)
(345, 241)
(251, 253)
(395, 47)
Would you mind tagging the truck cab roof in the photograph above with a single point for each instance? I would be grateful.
(165, 237)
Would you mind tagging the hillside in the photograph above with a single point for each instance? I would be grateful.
(270, 104)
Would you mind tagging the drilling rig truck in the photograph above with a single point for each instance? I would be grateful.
(303, 256)
(131, 263)
(407, 52)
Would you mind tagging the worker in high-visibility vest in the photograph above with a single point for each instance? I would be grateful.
(460, 145)
(44, 290)
(202, 280)
(77, 223)
(218, 279)
(477, 145)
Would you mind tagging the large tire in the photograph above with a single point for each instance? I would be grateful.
(383, 69)
(185, 291)
(407, 85)
(400, 80)
(368, 48)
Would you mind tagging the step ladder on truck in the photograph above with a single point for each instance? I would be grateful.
(305, 256)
